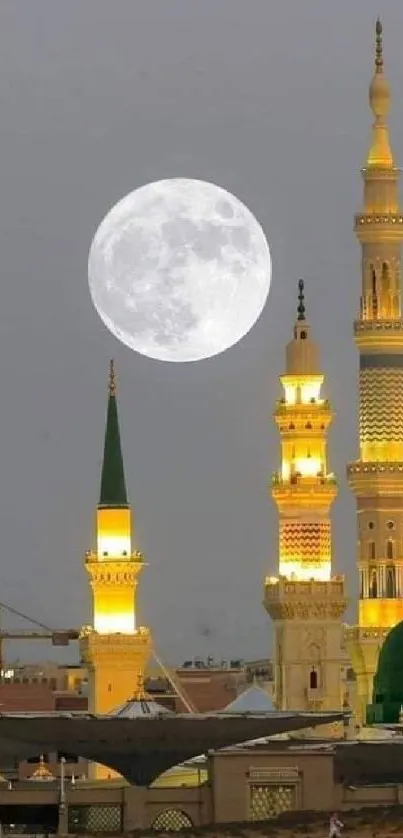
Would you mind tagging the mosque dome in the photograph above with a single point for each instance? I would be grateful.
(388, 681)
(136, 707)
(252, 700)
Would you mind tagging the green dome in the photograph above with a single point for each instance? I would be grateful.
(388, 681)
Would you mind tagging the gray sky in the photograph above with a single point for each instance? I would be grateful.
(267, 99)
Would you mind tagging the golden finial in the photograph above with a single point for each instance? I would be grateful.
(301, 300)
(112, 381)
(378, 47)
(380, 154)
(140, 693)
(42, 772)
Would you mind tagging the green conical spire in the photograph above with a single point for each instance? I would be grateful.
(113, 484)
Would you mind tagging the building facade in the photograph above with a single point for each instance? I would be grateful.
(304, 599)
(235, 785)
(376, 478)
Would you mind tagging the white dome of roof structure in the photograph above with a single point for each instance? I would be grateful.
(136, 707)
(252, 700)
(140, 705)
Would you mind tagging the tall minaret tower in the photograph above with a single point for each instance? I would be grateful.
(305, 601)
(377, 477)
(114, 648)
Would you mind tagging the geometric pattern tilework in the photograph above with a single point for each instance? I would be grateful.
(381, 413)
(308, 541)
(171, 820)
(95, 819)
(268, 801)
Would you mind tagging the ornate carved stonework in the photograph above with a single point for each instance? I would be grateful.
(314, 635)
(286, 610)
(121, 649)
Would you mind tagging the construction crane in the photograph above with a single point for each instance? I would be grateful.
(62, 637)
(174, 683)
(58, 637)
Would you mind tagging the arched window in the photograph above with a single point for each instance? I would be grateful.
(373, 586)
(389, 549)
(385, 277)
(390, 582)
(374, 293)
(171, 820)
(313, 679)
(361, 584)
(371, 551)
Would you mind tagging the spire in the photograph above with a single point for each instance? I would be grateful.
(378, 47)
(112, 381)
(301, 300)
(302, 351)
(380, 154)
(113, 484)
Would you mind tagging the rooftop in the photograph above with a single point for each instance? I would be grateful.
(143, 747)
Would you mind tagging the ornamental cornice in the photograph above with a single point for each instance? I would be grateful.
(295, 428)
(378, 326)
(360, 467)
(291, 600)
(124, 649)
(316, 493)
(135, 558)
(363, 219)
(101, 579)
(286, 610)
(320, 483)
(358, 634)
(383, 478)
(379, 226)
(379, 173)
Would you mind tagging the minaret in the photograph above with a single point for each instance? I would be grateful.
(376, 478)
(114, 648)
(305, 601)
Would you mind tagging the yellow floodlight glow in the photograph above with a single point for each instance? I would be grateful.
(298, 571)
(114, 622)
(307, 466)
(310, 391)
(113, 546)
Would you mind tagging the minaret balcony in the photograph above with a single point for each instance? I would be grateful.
(91, 556)
(387, 225)
(298, 482)
(282, 406)
(365, 218)
(385, 336)
(366, 636)
(309, 492)
(365, 477)
(294, 599)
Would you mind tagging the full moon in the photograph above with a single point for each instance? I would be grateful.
(179, 270)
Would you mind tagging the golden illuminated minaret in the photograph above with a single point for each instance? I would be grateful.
(376, 478)
(114, 648)
(304, 600)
